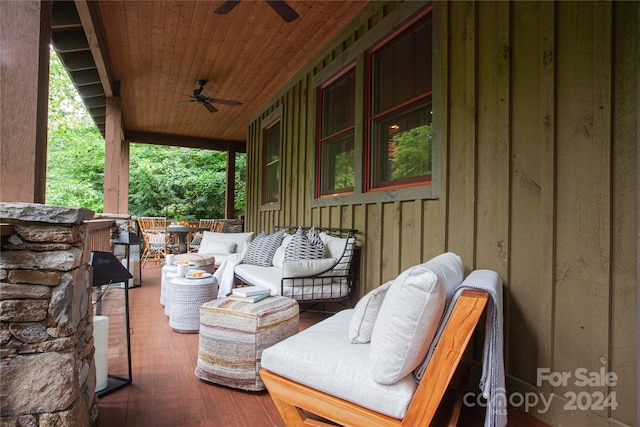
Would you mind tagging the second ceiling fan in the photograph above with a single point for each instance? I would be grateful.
(281, 7)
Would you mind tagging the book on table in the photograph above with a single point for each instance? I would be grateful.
(250, 298)
(248, 291)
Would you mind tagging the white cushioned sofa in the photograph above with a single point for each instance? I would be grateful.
(221, 245)
(367, 355)
(284, 265)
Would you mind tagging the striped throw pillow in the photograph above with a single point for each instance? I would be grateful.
(315, 239)
(301, 247)
(262, 248)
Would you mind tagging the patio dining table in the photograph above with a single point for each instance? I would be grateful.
(182, 231)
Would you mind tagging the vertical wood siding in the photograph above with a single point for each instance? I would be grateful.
(535, 108)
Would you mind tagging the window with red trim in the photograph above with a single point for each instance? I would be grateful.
(271, 164)
(336, 110)
(399, 151)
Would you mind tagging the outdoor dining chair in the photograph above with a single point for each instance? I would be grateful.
(194, 239)
(157, 242)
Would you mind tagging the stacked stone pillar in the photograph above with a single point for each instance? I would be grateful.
(47, 371)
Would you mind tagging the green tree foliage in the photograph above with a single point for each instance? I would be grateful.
(165, 176)
(159, 176)
(413, 155)
(75, 165)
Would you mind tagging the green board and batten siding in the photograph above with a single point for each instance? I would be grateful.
(536, 111)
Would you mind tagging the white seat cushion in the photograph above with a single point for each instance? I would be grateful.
(300, 289)
(321, 357)
(269, 277)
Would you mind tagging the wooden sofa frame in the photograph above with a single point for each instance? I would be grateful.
(293, 399)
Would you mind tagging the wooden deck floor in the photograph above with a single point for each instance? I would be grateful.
(165, 391)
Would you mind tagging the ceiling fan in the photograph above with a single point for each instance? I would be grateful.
(203, 97)
(281, 7)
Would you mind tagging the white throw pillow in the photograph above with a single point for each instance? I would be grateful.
(340, 248)
(221, 248)
(449, 269)
(306, 267)
(278, 257)
(365, 313)
(240, 239)
(406, 324)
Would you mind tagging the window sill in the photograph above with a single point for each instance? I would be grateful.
(397, 194)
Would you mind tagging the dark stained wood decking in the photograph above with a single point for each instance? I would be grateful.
(165, 391)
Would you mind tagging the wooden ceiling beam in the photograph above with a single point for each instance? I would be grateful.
(96, 101)
(70, 40)
(94, 33)
(85, 77)
(64, 15)
(185, 141)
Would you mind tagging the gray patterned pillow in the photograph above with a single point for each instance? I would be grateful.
(314, 238)
(262, 248)
(301, 248)
(365, 314)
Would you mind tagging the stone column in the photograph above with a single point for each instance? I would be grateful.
(46, 318)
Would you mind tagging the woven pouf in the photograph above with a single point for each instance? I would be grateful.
(169, 272)
(233, 335)
(164, 282)
(170, 275)
(201, 261)
(187, 295)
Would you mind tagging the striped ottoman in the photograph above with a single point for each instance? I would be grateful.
(233, 335)
(206, 262)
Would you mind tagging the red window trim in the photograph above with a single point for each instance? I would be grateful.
(265, 130)
(406, 24)
(319, 139)
(370, 117)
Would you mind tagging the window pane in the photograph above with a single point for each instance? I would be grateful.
(271, 172)
(383, 89)
(335, 173)
(272, 183)
(424, 59)
(338, 104)
(402, 68)
(337, 165)
(400, 114)
(401, 149)
(272, 141)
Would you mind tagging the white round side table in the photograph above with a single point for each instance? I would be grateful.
(187, 295)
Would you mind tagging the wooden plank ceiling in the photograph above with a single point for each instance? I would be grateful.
(155, 51)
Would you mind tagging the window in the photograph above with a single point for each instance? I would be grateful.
(336, 110)
(374, 115)
(271, 164)
(399, 151)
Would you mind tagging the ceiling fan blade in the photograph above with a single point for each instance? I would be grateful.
(225, 101)
(184, 102)
(285, 11)
(210, 107)
(226, 7)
